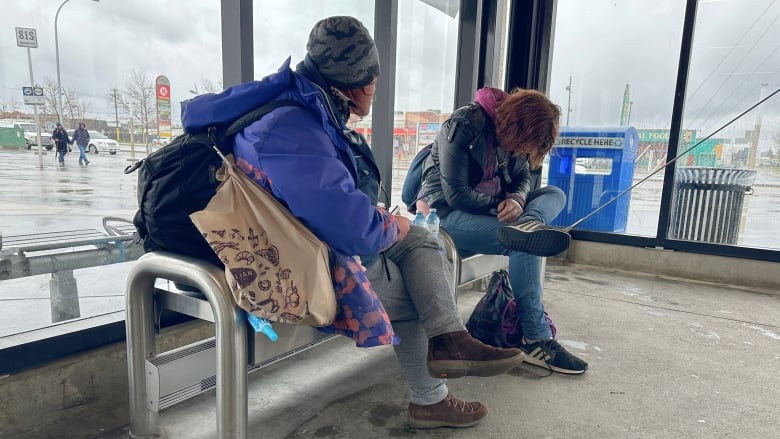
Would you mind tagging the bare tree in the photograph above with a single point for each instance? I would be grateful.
(13, 105)
(75, 108)
(209, 86)
(83, 109)
(140, 94)
(49, 107)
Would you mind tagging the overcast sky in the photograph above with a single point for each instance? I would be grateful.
(602, 44)
(605, 44)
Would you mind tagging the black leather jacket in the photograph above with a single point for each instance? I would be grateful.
(459, 154)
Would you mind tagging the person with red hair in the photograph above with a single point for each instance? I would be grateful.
(478, 177)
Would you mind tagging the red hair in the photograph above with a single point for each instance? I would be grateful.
(527, 124)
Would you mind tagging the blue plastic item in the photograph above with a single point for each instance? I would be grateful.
(419, 220)
(262, 325)
(433, 222)
(591, 166)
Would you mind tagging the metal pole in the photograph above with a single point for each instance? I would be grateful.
(60, 109)
(756, 135)
(116, 115)
(35, 112)
(568, 105)
(132, 133)
(139, 326)
(231, 340)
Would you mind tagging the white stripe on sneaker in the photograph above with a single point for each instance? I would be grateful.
(540, 355)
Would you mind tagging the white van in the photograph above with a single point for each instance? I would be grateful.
(30, 134)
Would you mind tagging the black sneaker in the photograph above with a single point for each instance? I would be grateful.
(535, 238)
(549, 354)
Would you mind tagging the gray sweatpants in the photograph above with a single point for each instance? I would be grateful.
(418, 298)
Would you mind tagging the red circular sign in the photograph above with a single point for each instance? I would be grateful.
(163, 91)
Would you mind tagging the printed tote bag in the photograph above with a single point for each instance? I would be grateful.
(276, 268)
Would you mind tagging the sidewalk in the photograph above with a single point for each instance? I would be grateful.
(668, 359)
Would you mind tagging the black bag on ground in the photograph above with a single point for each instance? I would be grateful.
(496, 319)
(179, 179)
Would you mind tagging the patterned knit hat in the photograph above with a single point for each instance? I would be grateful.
(344, 52)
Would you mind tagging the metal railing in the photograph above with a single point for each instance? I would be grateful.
(61, 252)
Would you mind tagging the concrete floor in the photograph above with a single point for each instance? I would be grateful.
(668, 358)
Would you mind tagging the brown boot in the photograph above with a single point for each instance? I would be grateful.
(450, 412)
(457, 354)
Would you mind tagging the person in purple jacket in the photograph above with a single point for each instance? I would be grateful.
(326, 175)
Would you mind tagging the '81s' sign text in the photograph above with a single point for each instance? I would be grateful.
(26, 37)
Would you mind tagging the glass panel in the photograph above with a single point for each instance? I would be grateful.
(425, 81)
(727, 187)
(426, 49)
(281, 29)
(607, 87)
(107, 57)
(294, 20)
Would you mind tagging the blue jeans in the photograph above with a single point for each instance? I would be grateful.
(83, 154)
(477, 234)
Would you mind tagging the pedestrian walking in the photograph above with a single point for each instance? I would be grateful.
(81, 139)
(61, 142)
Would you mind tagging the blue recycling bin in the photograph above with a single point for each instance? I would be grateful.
(592, 166)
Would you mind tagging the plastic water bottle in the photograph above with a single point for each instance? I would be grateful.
(433, 222)
(419, 220)
(262, 325)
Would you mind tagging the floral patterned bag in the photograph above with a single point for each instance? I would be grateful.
(276, 268)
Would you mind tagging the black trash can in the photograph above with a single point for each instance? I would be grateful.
(707, 203)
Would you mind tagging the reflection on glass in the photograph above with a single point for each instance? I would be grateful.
(110, 53)
(619, 70)
(281, 29)
(727, 188)
(425, 81)
(593, 166)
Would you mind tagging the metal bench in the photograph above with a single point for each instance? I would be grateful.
(160, 380)
(61, 252)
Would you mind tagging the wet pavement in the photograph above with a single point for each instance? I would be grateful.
(54, 198)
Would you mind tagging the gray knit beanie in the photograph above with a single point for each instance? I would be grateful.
(344, 52)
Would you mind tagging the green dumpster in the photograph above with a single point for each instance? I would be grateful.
(12, 138)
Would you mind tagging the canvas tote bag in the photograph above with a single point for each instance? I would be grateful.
(276, 268)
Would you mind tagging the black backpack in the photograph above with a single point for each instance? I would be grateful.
(413, 180)
(180, 179)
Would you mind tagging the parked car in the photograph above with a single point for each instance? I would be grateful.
(99, 142)
(30, 133)
(159, 141)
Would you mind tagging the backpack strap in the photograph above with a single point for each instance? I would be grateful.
(219, 136)
(257, 114)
